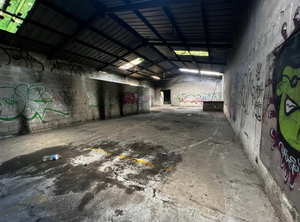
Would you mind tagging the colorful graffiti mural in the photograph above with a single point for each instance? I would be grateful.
(28, 102)
(283, 106)
(198, 98)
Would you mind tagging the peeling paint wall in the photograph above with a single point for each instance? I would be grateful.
(262, 71)
(190, 90)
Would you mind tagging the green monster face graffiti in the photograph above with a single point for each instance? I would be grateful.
(289, 111)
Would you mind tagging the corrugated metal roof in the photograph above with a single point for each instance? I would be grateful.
(78, 31)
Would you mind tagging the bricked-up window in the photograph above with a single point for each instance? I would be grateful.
(191, 53)
(13, 12)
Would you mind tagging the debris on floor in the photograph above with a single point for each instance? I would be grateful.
(51, 157)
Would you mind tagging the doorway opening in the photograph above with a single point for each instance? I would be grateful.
(165, 97)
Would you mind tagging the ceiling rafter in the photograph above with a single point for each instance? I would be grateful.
(126, 26)
(202, 62)
(51, 46)
(205, 31)
(177, 29)
(72, 53)
(148, 24)
(195, 45)
(122, 56)
(83, 28)
(146, 5)
(81, 42)
(75, 19)
(99, 7)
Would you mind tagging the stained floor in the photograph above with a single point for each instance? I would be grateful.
(173, 164)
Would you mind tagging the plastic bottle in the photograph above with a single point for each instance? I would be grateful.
(51, 157)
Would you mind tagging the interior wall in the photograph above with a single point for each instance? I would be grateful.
(32, 101)
(255, 94)
(190, 90)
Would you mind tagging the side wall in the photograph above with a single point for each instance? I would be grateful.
(33, 101)
(251, 96)
(190, 90)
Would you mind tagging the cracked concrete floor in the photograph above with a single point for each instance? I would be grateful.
(174, 164)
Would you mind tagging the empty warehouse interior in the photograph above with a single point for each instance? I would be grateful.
(149, 110)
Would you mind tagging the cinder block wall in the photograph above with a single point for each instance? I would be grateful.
(32, 101)
(256, 91)
(190, 90)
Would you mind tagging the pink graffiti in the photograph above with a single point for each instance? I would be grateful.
(129, 99)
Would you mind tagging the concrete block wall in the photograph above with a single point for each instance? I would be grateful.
(263, 63)
(190, 90)
(32, 101)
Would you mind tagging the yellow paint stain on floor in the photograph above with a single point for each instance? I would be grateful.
(39, 198)
(123, 157)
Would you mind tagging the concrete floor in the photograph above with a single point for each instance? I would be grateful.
(174, 164)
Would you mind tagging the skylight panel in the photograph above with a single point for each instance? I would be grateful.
(19, 8)
(191, 53)
(132, 63)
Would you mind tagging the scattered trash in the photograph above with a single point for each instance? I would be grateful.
(51, 157)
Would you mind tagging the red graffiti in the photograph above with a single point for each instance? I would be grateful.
(130, 99)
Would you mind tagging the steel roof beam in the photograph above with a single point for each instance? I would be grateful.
(136, 34)
(51, 46)
(121, 57)
(205, 31)
(75, 19)
(177, 29)
(148, 24)
(195, 45)
(100, 7)
(83, 28)
(146, 5)
(201, 62)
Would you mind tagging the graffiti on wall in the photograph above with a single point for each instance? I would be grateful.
(257, 93)
(283, 105)
(21, 58)
(28, 102)
(10, 56)
(67, 69)
(35, 101)
(198, 98)
(92, 99)
(246, 92)
(130, 99)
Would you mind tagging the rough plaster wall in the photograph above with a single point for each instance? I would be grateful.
(33, 101)
(245, 89)
(189, 90)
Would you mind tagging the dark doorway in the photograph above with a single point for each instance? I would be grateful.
(167, 96)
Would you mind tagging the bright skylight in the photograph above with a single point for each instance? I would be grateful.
(203, 72)
(210, 73)
(190, 70)
(132, 63)
(193, 53)
(156, 77)
(19, 8)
